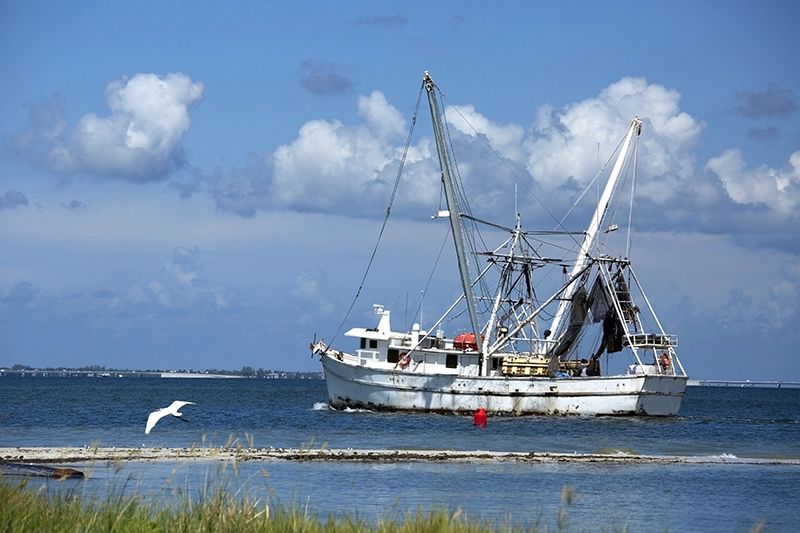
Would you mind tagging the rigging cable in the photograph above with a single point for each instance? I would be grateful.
(458, 182)
(470, 235)
(629, 170)
(633, 193)
(433, 271)
(592, 182)
(614, 208)
(385, 218)
(461, 195)
(511, 170)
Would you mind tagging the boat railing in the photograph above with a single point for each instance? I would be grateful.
(653, 340)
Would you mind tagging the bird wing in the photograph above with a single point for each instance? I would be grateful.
(154, 417)
(176, 405)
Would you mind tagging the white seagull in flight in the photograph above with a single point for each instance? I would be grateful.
(155, 416)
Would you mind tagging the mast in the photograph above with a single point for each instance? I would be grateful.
(452, 206)
(499, 295)
(594, 226)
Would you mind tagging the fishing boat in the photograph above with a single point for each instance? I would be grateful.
(521, 350)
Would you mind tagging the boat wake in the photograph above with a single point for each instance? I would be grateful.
(354, 410)
(324, 406)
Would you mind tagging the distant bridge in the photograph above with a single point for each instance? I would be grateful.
(746, 383)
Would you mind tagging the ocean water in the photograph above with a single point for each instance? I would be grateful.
(713, 422)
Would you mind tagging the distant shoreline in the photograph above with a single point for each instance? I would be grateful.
(745, 383)
(169, 374)
(281, 374)
(91, 454)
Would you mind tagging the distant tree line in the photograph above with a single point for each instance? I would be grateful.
(245, 371)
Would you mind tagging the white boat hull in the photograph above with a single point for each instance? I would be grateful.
(356, 386)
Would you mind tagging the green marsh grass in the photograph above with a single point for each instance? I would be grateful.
(24, 509)
(222, 501)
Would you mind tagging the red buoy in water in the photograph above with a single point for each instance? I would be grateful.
(479, 418)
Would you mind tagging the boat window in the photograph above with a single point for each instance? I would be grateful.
(363, 343)
(392, 356)
(452, 360)
(373, 343)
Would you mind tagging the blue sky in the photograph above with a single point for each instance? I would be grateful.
(197, 185)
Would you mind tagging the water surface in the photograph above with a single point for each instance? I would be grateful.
(713, 422)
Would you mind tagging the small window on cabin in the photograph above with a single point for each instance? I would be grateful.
(392, 356)
(451, 361)
(373, 343)
(363, 343)
(495, 363)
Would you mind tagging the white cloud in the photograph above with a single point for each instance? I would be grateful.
(777, 189)
(178, 286)
(184, 266)
(380, 116)
(564, 143)
(140, 140)
(505, 139)
(181, 286)
(331, 166)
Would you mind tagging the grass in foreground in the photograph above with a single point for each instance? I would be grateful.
(24, 510)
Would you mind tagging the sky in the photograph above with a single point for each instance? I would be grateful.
(196, 185)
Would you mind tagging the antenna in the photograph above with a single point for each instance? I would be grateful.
(405, 316)
(421, 301)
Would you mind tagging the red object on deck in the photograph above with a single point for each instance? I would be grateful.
(479, 418)
(465, 341)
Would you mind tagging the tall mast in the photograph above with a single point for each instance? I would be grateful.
(452, 206)
(594, 226)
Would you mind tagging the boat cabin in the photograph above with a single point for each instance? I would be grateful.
(383, 348)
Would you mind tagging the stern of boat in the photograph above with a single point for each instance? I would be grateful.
(661, 395)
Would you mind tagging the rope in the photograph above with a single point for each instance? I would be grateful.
(385, 218)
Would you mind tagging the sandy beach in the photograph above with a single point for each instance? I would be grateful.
(89, 454)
